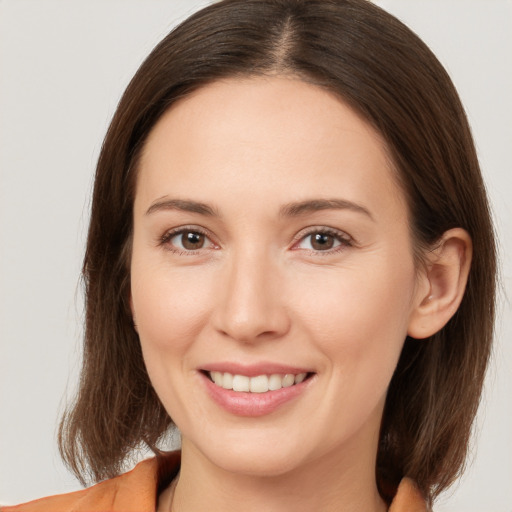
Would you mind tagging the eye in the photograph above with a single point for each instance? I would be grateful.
(185, 240)
(323, 240)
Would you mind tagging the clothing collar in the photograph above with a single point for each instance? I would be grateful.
(138, 491)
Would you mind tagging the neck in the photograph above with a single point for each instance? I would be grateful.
(328, 483)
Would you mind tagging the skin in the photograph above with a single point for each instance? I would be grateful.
(258, 290)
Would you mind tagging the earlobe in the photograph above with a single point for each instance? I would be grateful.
(443, 282)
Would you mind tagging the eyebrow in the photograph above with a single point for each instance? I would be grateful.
(183, 205)
(313, 205)
(288, 210)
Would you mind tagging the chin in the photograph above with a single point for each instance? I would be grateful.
(255, 457)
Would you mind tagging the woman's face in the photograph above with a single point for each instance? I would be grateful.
(271, 246)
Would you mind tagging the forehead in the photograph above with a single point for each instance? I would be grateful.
(272, 137)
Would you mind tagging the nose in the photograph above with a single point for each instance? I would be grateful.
(250, 306)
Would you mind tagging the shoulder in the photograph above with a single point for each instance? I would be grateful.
(134, 491)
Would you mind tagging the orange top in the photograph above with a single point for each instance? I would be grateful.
(137, 491)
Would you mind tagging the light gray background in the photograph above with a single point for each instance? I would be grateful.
(63, 67)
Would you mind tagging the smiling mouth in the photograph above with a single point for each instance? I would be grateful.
(256, 384)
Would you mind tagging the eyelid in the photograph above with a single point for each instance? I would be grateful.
(342, 236)
(168, 235)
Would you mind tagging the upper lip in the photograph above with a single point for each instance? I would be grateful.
(254, 369)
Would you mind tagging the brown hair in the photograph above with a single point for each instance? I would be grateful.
(387, 74)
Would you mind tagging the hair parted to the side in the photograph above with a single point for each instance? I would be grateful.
(387, 74)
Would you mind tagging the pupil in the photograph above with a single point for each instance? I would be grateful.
(192, 240)
(322, 241)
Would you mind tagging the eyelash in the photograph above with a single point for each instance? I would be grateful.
(169, 235)
(341, 237)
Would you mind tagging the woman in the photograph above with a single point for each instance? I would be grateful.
(290, 255)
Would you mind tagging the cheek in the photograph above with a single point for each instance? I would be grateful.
(170, 306)
(358, 317)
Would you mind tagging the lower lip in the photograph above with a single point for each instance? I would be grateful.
(253, 404)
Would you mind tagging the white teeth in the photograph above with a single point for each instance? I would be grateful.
(300, 377)
(289, 380)
(240, 383)
(275, 382)
(227, 381)
(217, 378)
(258, 384)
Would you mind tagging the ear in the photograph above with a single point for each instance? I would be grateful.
(441, 283)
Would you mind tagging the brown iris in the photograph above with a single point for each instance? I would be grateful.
(322, 241)
(192, 240)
